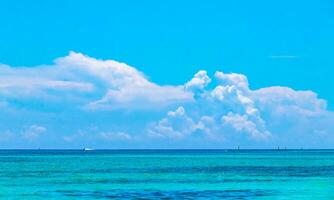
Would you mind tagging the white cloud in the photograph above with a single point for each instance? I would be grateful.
(142, 97)
(283, 57)
(93, 133)
(126, 86)
(280, 100)
(12, 82)
(120, 85)
(112, 73)
(232, 108)
(176, 125)
(79, 135)
(229, 109)
(30, 86)
(242, 123)
(238, 80)
(37, 81)
(199, 81)
(115, 136)
(33, 132)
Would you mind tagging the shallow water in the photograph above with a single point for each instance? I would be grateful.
(167, 174)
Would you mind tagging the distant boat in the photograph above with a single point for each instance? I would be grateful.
(88, 149)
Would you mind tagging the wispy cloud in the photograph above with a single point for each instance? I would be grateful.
(33, 132)
(283, 57)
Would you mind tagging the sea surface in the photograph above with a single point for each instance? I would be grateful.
(167, 174)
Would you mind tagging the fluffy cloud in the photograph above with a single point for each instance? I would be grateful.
(110, 84)
(126, 87)
(242, 123)
(235, 112)
(176, 124)
(79, 91)
(281, 100)
(238, 80)
(147, 97)
(199, 81)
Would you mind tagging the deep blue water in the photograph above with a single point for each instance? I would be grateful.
(167, 174)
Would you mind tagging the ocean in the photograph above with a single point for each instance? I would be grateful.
(167, 174)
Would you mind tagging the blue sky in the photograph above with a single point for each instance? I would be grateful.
(67, 104)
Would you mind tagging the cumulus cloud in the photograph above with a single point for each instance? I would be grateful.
(199, 81)
(238, 80)
(179, 125)
(141, 97)
(225, 109)
(243, 123)
(113, 84)
(280, 100)
(176, 124)
(235, 112)
(126, 87)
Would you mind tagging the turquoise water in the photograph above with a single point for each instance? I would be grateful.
(167, 174)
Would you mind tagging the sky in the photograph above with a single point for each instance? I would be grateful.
(166, 74)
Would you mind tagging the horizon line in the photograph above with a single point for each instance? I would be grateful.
(162, 149)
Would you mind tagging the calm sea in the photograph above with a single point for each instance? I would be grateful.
(167, 174)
